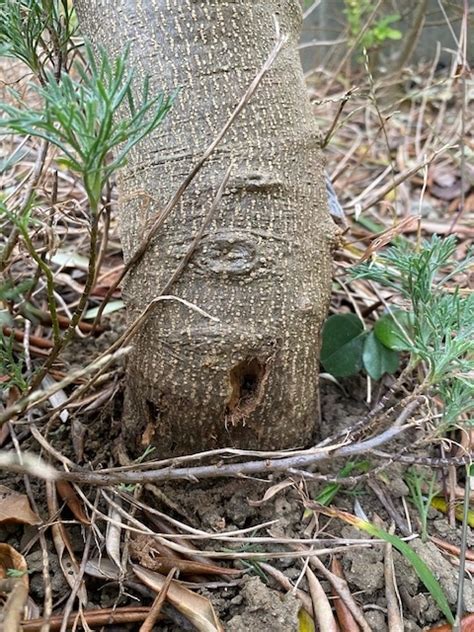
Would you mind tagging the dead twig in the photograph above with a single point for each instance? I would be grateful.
(95, 617)
(233, 469)
(37, 397)
(341, 105)
(155, 609)
(268, 465)
(462, 139)
(35, 341)
(394, 615)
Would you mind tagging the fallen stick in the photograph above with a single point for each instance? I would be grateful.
(93, 618)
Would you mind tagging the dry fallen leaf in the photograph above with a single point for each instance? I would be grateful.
(66, 557)
(11, 560)
(15, 508)
(113, 537)
(198, 610)
(103, 568)
(323, 613)
(272, 491)
(467, 625)
(72, 500)
(13, 566)
(148, 553)
(188, 567)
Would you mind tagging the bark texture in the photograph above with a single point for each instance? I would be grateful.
(263, 266)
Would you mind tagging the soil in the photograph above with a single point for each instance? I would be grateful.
(223, 505)
(264, 607)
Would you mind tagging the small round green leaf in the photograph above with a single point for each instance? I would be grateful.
(377, 359)
(342, 346)
(392, 330)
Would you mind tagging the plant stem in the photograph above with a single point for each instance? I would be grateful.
(462, 556)
(43, 266)
(32, 184)
(76, 317)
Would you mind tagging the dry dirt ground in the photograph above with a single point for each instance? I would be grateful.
(254, 599)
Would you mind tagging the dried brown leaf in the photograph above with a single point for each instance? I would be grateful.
(347, 623)
(72, 500)
(67, 559)
(113, 536)
(15, 508)
(5, 429)
(103, 568)
(13, 610)
(165, 564)
(11, 559)
(272, 491)
(198, 610)
(323, 614)
(156, 557)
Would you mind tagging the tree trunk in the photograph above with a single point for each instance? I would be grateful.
(263, 265)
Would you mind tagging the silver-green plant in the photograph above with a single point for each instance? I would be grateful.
(86, 112)
(437, 326)
(80, 118)
(11, 365)
(39, 33)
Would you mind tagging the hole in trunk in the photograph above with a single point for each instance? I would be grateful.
(247, 380)
(152, 411)
(151, 421)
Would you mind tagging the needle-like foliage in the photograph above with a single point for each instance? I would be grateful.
(90, 108)
(79, 116)
(441, 325)
(37, 32)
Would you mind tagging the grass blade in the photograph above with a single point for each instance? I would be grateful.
(421, 569)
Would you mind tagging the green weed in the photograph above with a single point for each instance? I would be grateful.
(433, 326)
(357, 12)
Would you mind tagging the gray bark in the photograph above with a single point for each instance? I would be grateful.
(263, 266)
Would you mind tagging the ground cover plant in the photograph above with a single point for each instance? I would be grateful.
(368, 528)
